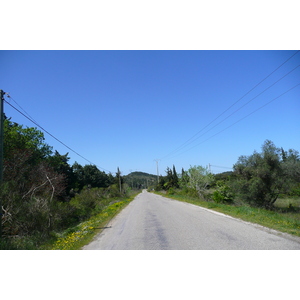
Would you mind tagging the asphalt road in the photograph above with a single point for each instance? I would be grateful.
(152, 222)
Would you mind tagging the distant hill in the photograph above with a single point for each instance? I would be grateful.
(140, 180)
(225, 175)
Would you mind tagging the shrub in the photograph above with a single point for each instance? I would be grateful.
(171, 191)
(87, 203)
(223, 193)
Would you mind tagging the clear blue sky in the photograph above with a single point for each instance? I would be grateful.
(126, 108)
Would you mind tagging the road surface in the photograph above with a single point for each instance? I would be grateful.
(153, 222)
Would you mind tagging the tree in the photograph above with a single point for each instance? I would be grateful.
(78, 183)
(199, 179)
(175, 178)
(161, 185)
(90, 176)
(184, 179)
(93, 177)
(263, 176)
(30, 140)
(171, 179)
(61, 166)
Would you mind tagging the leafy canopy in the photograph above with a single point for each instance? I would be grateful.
(263, 176)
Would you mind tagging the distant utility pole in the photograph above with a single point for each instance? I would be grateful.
(1, 151)
(209, 168)
(157, 160)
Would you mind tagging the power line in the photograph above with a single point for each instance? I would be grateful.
(8, 95)
(34, 122)
(239, 120)
(189, 141)
(244, 105)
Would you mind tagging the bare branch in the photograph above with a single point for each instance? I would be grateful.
(53, 189)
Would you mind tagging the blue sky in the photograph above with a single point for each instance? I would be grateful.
(126, 108)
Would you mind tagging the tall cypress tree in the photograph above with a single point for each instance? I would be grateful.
(175, 178)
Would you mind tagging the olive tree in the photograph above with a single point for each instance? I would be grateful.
(199, 179)
(263, 176)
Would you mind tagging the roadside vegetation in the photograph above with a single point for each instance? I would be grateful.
(47, 203)
(43, 197)
(264, 188)
(74, 238)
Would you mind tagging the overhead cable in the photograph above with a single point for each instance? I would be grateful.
(243, 105)
(190, 140)
(8, 96)
(254, 111)
(34, 122)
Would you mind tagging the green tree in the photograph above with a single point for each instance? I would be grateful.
(175, 182)
(78, 182)
(93, 177)
(200, 179)
(61, 166)
(184, 179)
(90, 176)
(263, 176)
(161, 185)
(29, 140)
(171, 179)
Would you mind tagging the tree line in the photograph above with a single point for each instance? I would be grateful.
(258, 179)
(41, 192)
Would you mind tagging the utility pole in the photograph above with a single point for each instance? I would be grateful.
(120, 184)
(1, 152)
(157, 160)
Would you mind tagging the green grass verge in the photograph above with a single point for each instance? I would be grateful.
(76, 237)
(285, 221)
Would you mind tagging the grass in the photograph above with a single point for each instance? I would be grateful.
(286, 202)
(76, 237)
(284, 218)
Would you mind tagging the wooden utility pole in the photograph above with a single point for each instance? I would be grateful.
(1, 152)
(120, 183)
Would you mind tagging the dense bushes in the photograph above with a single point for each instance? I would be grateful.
(258, 180)
(91, 201)
(196, 181)
(37, 218)
(41, 193)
